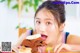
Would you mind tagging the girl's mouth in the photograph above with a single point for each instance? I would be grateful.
(43, 36)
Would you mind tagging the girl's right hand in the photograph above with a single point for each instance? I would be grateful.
(15, 49)
(21, 38)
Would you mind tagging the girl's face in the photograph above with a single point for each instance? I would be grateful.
(46, 24)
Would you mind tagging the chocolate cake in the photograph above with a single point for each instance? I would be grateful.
(34, 44)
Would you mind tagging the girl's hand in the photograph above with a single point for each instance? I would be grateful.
(21, 38)
(15, 49)
(62, 47)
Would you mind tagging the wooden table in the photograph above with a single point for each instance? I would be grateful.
(28, 50)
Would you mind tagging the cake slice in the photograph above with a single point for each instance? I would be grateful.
(33, 36)
(33, 42)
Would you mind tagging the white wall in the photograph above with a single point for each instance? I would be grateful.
(8, 22)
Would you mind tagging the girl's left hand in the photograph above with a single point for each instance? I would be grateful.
(62, 47)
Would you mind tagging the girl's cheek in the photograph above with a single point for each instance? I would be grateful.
(37, 29)
(51, 28)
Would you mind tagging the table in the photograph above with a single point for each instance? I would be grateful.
(28, 50)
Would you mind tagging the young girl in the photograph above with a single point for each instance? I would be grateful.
(50, 20)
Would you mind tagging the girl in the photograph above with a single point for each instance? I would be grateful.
(50, 20)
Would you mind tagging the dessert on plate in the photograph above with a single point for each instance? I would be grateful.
(33, 42)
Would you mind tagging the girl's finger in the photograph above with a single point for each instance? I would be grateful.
(59, 49)
(56, 48)
(15, 49)
(65, 46)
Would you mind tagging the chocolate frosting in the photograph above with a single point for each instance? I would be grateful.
(34, 44)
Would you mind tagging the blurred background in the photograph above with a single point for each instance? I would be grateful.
(16, 14)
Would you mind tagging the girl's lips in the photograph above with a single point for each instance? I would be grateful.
(43, 36)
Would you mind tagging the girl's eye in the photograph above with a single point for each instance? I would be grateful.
(48, 23)
(38, 22)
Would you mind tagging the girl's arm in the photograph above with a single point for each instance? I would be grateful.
(72, 39)
(73, 44)
(75, 47)
(18, 43)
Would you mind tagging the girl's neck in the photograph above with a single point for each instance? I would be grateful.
(59, 40)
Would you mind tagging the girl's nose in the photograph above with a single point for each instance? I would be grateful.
(42, 28)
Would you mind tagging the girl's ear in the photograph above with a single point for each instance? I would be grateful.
(62, 27)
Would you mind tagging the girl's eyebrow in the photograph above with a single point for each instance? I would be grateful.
(45, 19)
(49, 19)
(37, 18)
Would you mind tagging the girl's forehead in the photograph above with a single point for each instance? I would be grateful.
(44, 14)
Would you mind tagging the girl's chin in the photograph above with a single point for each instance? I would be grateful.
(48, 43)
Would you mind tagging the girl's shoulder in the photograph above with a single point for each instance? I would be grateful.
(73, 39)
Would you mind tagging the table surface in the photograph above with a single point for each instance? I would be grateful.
(28, 50)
